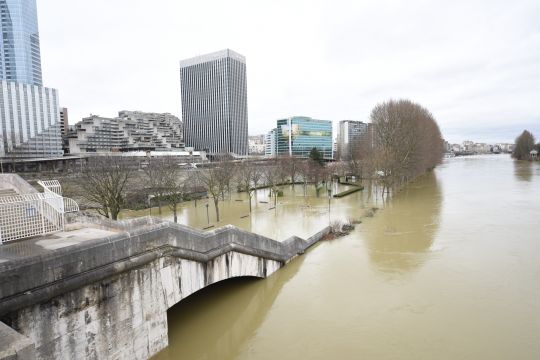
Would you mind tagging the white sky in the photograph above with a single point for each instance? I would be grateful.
(474, 64)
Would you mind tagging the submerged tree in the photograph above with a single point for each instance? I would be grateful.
(407, 142)
(157, 174)
(524, 145)
(216, 180)
(248, 175)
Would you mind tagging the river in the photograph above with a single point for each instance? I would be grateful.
(449, 269)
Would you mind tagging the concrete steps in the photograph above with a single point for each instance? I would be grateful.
(7, 192)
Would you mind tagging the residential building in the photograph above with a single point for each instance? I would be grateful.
(130, 131)
(214, 102)
(29, 121)
(20, 55)
(29, 112)
(64, 122)
(298, 135)
(256, 144)
(352, 136)
(159, 131)
(270, 144)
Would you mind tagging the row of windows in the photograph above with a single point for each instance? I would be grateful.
(214, 106)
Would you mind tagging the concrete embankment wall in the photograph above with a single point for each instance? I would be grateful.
(108, 298)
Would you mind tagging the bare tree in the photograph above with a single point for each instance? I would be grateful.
(104, 184)
(291, 166)
(156, 177)
(248, 175)
(177, 183)
(215, 180)
(272, 177)
(407, 141)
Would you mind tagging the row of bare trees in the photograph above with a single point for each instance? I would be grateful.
(109, 180)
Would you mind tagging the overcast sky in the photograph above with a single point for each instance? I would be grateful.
(474, 64)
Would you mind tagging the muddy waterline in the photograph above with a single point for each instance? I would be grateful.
(449, 269)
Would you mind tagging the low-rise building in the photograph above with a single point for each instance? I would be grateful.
(298, 135)
(256, 144)
(130, 131)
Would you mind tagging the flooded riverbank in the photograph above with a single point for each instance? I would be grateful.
(299, 212)
(448, 270)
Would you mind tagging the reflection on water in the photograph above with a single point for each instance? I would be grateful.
(399, 239)
(523, 170)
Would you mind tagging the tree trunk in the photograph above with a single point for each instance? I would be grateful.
(174, 214)
(216, 201)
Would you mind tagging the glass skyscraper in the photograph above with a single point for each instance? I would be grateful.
(20, 58)
(214, 103)
(298, 135)
(29, 112)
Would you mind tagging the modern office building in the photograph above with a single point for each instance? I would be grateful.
(298, 135)
(20, 57)
(270, 145)
(29, 112)
(130, 131)
(214, 102)
(353, 136)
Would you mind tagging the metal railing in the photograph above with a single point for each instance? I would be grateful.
(23, 216)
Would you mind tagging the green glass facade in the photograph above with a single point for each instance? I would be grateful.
(297, 135)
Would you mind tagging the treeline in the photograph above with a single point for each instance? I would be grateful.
(405, 143)
(524, 145)
(109, 182)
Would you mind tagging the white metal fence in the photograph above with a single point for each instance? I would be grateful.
(27, 215)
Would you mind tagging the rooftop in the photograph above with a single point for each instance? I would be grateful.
(211, 57)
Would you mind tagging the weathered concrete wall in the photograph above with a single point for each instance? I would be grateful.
(14, 346)
(125, 317)
(108, 298)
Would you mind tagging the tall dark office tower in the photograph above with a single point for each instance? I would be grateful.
(20, 58)
(214, 102)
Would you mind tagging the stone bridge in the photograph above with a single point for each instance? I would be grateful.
(102, 288)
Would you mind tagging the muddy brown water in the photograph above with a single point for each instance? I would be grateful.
(449, 269)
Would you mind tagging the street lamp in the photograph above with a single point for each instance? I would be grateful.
(207, 216)
(329, 197)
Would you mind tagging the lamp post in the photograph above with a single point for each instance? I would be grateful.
(329, 197)
(207, 216)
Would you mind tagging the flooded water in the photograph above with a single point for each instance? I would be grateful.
(299, 212)
(448, 270)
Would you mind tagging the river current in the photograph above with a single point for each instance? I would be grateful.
(447, 269)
